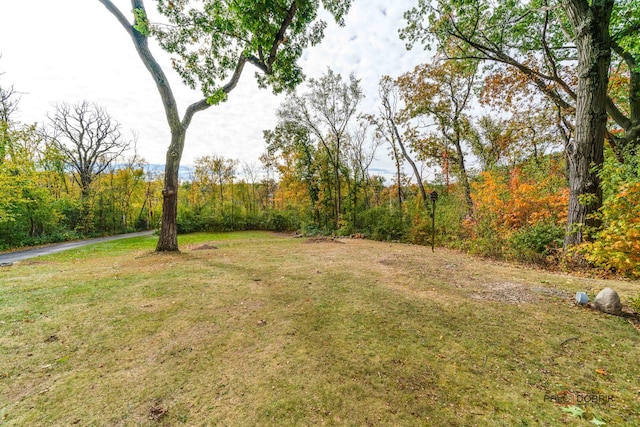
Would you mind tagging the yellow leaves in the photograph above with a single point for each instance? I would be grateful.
(617, 244)
(517, 201)
(429, 86)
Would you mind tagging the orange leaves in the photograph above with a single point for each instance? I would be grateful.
(518, 200)
(428, 88)
(505, 88)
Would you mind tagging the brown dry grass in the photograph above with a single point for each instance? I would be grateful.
(268, 330)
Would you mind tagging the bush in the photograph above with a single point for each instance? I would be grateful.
(519, 213)
(535, 243)
(420, 232)
(189, 221)
(384, 224)
(278, 222)
(616, 246)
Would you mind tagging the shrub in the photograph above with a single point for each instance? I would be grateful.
(383, 224)
(616, 246)
(535, 243)
(519, 214)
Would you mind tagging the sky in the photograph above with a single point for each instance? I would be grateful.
(75, 50)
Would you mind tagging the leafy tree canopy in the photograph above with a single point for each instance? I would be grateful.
(209, 37)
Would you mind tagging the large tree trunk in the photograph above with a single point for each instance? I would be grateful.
(585, 154)
(168, 240)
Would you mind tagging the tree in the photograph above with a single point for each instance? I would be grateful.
(212, 42)
(89, 139)
(214, 170)
(590, 23)
(441, 92)
(360, 153)
(269, 183)
(250, 172)
(292, 142)
(533, 124)
(540, 39)
(26, 208)
(325, 111)
(8, 105)
(127, 188)
(387, 125)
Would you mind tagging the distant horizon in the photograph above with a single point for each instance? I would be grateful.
(189, 168)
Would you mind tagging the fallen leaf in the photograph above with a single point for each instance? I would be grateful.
(574, 410)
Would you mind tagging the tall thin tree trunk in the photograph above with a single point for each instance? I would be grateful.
(405, 154)
(336, 177)
(399, 183)
(463, 175)
(168, 240)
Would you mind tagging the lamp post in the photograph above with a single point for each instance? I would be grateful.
(433, 196)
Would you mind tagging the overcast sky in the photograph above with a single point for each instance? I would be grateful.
(74, 50)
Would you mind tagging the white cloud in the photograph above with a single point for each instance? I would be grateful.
(75, 50)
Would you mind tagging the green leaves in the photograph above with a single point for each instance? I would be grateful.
(141, 22)
(625, 26)
(208, 39)
(574, 410)
(580, 413)
(218, 97)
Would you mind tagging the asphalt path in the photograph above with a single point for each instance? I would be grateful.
(10, 258)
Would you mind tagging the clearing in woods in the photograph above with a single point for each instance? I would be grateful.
(247, 329)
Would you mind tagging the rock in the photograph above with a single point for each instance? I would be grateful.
(608, 301)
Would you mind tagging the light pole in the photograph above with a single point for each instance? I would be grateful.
(433, 196)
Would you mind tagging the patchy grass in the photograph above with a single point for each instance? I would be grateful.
(249, 329)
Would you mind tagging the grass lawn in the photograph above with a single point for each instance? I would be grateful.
(258, 329)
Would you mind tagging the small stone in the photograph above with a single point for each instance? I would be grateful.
(608, 301)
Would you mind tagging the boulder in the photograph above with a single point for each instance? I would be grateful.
(608, 301)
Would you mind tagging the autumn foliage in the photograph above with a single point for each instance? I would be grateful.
(617, 244)
(519, 213)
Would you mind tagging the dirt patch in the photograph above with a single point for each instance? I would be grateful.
(34, 262)
(205, 247)
(322, 239)
(284, 234)
(157, 412)
(517, 293)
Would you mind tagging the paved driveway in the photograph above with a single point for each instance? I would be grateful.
(10, 258)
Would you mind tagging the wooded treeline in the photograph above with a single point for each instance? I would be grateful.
(73, 176)
(506, 119)
(502, 180)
